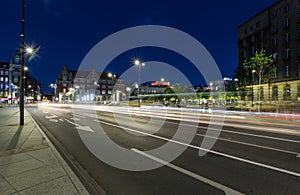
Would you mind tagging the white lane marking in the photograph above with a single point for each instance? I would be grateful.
(83, 128)
(298, 156)
(209, 151)
(45, 112)
(226, 189)
(53, 120)
(71, 122)
(79, 116)
(248, 144)
(240, 133)
(62, 120)
(51, 117)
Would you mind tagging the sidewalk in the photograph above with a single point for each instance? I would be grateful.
(29, 163)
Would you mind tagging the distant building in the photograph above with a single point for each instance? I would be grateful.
(4, 84)
(88, 86)
(10, 82)
(277, 31)
(153, 87)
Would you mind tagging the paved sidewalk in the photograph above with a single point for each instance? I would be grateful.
(29, 163)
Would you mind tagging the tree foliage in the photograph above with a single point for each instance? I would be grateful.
(261, 64)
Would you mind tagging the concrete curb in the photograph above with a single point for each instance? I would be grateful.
(69, 172)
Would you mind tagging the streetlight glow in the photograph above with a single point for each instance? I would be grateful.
(137, 62)
(29, 50)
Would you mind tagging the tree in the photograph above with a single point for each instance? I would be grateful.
(261, 64)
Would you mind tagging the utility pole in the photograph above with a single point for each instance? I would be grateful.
(22, 65)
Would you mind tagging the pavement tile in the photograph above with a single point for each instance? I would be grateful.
(5, 188)
(19, 167)
(58, 186)
(4, 160)
(44, 155)
(34, 177)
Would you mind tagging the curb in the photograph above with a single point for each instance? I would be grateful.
(69, 172)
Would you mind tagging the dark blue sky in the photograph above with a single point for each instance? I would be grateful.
(68, 29)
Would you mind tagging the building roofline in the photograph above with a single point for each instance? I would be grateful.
(267, 8)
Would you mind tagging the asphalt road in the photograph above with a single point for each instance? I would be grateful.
(250, 156)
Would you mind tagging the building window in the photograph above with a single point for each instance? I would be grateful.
(287, 8)
(287, 70)
(257, 24)
(276, 72)
(245, 31)
(275, 42)
(274, 28)
(1, 78)
(287, 37)
(287, 92)
(244, 42)
(252, 50)
(299, 70)
(261, 34)
(274, 16)
(252, 38)
(275, 57)
(275, 93)
(286, 23)
(287, 54)
(2, 72)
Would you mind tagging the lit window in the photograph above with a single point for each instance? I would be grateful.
(287, 70)
(286, 92)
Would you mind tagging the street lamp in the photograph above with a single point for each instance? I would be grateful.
(128, 89)
(139, 65)
(53, 86)
(252, 80)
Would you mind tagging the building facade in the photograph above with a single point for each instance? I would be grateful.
(4, 84)
(10, 82)
(277, 31)
(88, 86)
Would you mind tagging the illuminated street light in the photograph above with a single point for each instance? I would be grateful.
(139, 65)
(29, 50)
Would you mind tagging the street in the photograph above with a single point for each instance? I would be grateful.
(252, 155)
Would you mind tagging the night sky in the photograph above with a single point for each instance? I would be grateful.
(68, 29)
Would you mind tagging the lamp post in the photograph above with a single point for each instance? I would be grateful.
(22, 65)
(139, 65)
(53, 86)
(252, 80)
(128, 89)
